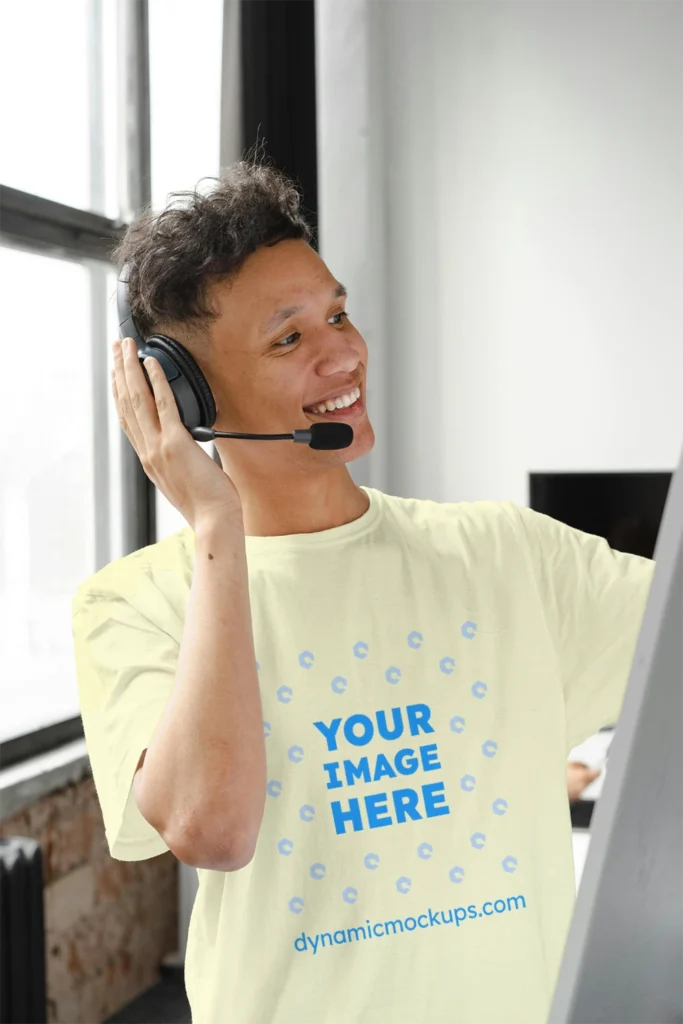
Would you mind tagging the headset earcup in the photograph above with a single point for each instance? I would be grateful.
(196, 404)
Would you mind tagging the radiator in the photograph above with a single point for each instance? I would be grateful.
(22, 932)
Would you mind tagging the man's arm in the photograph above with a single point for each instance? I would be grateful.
(201, 782)
(593, 599)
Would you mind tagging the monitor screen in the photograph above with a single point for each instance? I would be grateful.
(624, 508)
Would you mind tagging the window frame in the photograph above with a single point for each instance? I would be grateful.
(36, 224)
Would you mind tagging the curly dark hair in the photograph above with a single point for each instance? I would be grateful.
(199, 239)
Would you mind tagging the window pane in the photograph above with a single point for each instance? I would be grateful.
(47, 499)
(185, 94)
(57, 80)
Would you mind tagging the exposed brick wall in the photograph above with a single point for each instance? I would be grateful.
(108, 923)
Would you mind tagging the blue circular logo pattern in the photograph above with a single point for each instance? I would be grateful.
(425, 850)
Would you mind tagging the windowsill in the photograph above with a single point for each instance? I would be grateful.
(23, 784)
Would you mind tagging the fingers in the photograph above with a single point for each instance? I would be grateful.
(589, 773)
(162, 395)
(134, 401)
(148, 412)
(582, 770)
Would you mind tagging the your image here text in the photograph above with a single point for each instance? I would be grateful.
(395, 806)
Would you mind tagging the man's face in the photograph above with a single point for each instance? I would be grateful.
(282, 345)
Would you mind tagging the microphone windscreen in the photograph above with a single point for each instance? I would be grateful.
(328, 436)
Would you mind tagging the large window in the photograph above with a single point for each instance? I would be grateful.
(65, 162)
(59, 111)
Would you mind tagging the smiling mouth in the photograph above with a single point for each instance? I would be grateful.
(345, 412)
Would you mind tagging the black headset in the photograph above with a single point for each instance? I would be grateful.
(196, 405)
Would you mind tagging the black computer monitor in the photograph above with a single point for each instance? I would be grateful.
(624, 508)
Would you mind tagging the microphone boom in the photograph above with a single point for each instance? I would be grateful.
(326, 436)
(321, 436)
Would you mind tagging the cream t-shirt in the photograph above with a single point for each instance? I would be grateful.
(424, 671)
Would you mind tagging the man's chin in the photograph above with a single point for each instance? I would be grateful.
(363, 442)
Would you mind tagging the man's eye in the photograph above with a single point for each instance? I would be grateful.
(288, 340)
(291, 338)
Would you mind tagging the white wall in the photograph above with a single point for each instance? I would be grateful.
(502, 192)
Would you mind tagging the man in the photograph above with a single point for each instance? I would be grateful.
(351, 711)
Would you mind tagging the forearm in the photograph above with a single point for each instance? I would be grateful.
(204, 776)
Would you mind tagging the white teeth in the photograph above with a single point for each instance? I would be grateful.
(343, 402)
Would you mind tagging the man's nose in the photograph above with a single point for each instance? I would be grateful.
(337, 355)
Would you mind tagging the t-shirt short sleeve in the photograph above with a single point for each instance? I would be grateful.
(594, 599)
(125, 668)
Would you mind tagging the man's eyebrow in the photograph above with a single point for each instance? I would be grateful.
(280, 315)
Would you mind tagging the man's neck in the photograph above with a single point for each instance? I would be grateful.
(309, 504)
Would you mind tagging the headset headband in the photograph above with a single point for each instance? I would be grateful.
(127, 325)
